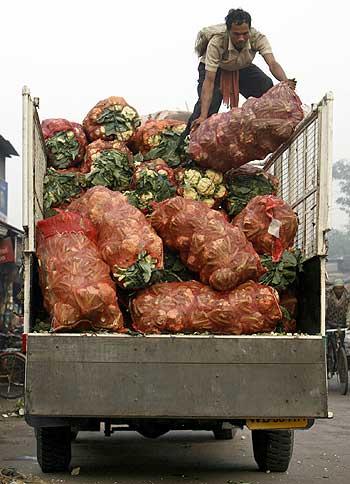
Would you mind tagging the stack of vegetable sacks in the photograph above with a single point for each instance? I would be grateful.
(127, 243)
(65, 143)
(228, 300)
(207, 243)
(223, 258)
(162, 233)
(74, 165)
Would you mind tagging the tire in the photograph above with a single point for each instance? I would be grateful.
(53, 448)
(343, 371)
(12, 374)
(223, 434)
(273, 449)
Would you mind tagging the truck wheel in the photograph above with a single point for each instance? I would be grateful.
(53, 448)
(273, 449)
(223, 434)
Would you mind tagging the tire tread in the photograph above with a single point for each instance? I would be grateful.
(53, 448)
(273, 449)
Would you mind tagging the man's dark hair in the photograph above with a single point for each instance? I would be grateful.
(237, 16)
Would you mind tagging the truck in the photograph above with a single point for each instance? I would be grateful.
(270, 383)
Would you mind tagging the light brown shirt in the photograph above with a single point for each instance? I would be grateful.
(220, 51)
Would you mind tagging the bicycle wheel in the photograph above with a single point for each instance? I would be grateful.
(330, 360)
(12, 371)
(342, 370)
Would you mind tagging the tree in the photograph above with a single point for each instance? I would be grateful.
(341, 172)
(338, 243)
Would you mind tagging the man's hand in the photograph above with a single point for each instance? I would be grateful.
(292, 83)
(197, 122)
(206, 98)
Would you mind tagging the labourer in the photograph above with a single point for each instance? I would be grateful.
(338, 306)
(337, 312)
(225, 68)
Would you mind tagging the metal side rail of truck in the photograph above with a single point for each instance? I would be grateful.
(272, 384)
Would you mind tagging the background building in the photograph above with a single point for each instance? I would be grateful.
(10, 251)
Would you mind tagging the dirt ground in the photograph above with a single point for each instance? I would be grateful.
(323, 452)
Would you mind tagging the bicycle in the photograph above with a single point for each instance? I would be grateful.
(12, 367)
(337, 362)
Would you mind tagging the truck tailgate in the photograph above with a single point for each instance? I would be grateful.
(122, 376)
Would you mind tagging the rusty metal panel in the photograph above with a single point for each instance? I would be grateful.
(177, 377)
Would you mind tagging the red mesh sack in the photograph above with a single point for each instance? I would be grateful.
(60, 188)
(208, 244)
(222, 256)
(77, 289)
(94, 149)
(153, 181)
(126, 241)
(159, 166)
(108, 163)
(159, 139)
(188, 307)
(270, 224)
(149, 135)
(259, 127)
(111, 119)
(175, 220)
(65, 142)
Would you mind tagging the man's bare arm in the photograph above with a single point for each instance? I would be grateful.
(207, 93)
(277, 70)
(206, 97)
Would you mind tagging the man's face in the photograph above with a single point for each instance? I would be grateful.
(338, 290)
(239, 35)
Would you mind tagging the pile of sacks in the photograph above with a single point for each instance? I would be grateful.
(118, 208)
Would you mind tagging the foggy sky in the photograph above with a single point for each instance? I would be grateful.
(74, 53)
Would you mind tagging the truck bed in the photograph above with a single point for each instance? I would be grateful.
(110, 376)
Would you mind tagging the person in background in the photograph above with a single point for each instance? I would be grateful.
(226, 66)
(338, 306)
(337, 313)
